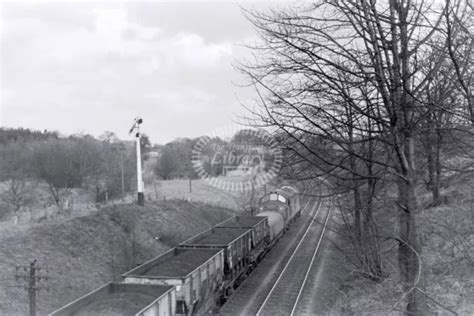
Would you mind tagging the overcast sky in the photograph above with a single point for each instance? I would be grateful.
(94, 66)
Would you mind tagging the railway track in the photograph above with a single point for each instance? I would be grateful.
(285, 294)
(252, 292)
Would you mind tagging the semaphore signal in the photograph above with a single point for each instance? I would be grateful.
(140, 187)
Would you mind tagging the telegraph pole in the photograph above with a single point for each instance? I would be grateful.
(121, 175)
(136, 129)
(32, 288)
(31, 278)
(121, 149)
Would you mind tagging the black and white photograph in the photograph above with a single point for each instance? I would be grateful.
(227, 157)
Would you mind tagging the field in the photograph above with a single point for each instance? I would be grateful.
(81, 201)
(200, 192)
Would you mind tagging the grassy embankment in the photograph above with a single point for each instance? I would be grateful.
(84, 252)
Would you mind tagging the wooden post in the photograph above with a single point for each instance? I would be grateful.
(122, 175)
(28, 279)
(156, 189)
(32, 288)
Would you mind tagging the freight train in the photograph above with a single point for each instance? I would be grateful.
(197, 276)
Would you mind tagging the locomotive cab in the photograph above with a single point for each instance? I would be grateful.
(275, 202)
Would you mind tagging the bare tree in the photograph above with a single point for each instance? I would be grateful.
(352, 74)
(447, 97)
(459, 38)
(17, 194)
(14, 170)
(54, 162)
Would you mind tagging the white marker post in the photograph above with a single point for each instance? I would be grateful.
(140, 186)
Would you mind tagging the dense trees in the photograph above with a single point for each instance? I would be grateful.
(55, 163)
(13, 173)
(19, 135)
(246, 147)
(63, 163)
(175, 160)
(352, 88)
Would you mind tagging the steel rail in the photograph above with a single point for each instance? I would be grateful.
(290, 259)
(312, 260)
(304, 207)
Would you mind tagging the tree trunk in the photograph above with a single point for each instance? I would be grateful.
(433, 183)
(409, 250)
(56, 197)
(97, 194)
(370, 242)
(357, 215)
(434, 143)
(439, 143)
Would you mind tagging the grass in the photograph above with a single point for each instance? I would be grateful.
(447, 235)
(81, 201)
(201, 192)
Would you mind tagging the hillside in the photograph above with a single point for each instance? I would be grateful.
(448, 262)
(85, 252)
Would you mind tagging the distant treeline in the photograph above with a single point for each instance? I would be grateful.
(12, 135)
(64, 163)
(245, 149)
(106, 166)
